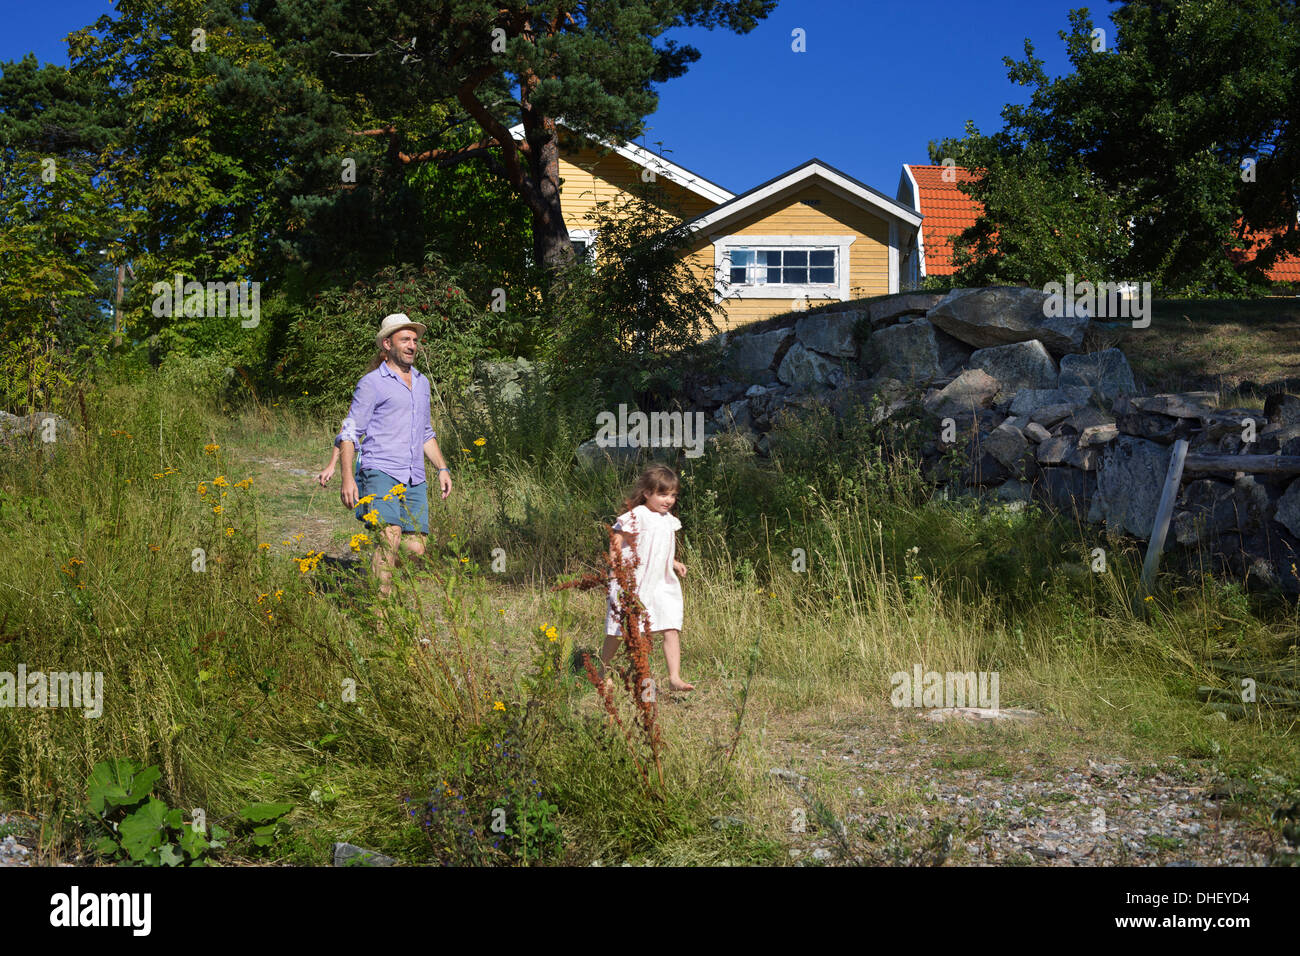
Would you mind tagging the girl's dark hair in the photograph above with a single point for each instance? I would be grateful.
(655, 480)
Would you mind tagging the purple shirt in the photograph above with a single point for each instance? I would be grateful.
(395, 421)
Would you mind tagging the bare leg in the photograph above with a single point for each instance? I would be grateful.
(385, 558)
(608, 650)
(673, 654)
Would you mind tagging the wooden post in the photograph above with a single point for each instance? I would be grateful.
(1165, 511)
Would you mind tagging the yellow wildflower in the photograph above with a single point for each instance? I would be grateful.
(464, 560)
(480, 442)
(211, 448)
(499, 706)
(203, 489)
(372, 517)
(366, 500)
(263, 547)
(398, 490)
(217, 510)
(918, 577)
(245, 484)
(220, 481)
(279, 593)
(230, 532)
(159, 475)
(153, 547)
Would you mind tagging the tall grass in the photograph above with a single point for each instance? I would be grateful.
(254, 679)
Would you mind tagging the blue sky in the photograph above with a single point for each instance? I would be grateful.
(877, 82)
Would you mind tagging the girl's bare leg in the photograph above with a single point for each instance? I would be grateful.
(673, 654)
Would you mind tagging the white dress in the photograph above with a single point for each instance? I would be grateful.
(657, 584)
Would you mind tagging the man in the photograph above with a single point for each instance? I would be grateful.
(391, 407)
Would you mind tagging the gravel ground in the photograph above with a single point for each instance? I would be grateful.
(12, 851)
(965, 805)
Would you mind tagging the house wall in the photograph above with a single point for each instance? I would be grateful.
(811, 211)
(589, 176)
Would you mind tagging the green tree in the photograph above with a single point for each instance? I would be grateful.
(1155, 123)
(498, 63)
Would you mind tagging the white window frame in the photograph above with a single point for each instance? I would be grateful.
(724, 288)
(585, 235)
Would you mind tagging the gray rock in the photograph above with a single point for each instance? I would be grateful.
(1049, 415)
(905, 352)
(1014, 491)
(1288, 508)
(346, 854)
(972, 389)
(1036, 432)
(1255, 508)
(1007, 446)
(723, 392)
(1098, 435)
(830, 333)
(1027, 399)
(39, 428)
(1088, 417)
(804, 368)
(1068, 490)
(954, 354)
(1106, 373)
(1207, 510)
(1056, 450)
(884, 310)
(1282, 408)
(1175, 405)
(734, 415)
(1016, 366)
(1004, 314)
(1129, 481)
(757, 351)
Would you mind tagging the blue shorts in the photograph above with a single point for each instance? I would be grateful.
(411, 511)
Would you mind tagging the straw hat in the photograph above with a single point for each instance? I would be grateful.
(396, 322)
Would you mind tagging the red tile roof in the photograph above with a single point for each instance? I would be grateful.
(1286, 269)
(947, 211)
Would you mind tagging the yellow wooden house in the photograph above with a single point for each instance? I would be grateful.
(809, 236)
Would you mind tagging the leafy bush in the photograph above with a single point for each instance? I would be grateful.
(138, 827)
(330, 346)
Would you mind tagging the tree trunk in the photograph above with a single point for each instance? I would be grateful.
(552, 247)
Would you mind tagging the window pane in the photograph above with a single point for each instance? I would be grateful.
(737, 275)
(796, 257)
(823, 257)
(769, 257)
(774, 275)
(796, 276)
(821, 275)
(742, 257)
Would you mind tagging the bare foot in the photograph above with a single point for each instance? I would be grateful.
(678, 684)
(609, 685)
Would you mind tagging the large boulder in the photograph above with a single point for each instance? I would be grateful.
(1106, 373)
(883, 311)
(39, 428)
(804, 368)
(830, 333)
(1004, 314)
(1206, 510)
(1288, 508)
(1028, 399)
(1016, 366)
(1068, 490)
(907, 352)
(757, 351)
(972, 389)
(1283, 408)
(1129, 481)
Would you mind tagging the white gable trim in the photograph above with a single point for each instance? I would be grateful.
(795, 178)
(893, 257)
(658, 166)
(920, 233)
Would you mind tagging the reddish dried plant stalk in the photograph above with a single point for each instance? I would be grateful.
(636, 644)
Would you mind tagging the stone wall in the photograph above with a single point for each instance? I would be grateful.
(1035, 414)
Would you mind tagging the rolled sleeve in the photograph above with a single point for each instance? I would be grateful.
(363, 406)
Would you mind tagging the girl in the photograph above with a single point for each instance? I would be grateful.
(324, 477)
(650, 524)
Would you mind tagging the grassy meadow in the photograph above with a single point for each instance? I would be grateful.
(256, 668)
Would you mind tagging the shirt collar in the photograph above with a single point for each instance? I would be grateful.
(385, 370)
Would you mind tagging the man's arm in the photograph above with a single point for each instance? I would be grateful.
(434, 454)
(358, 420)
